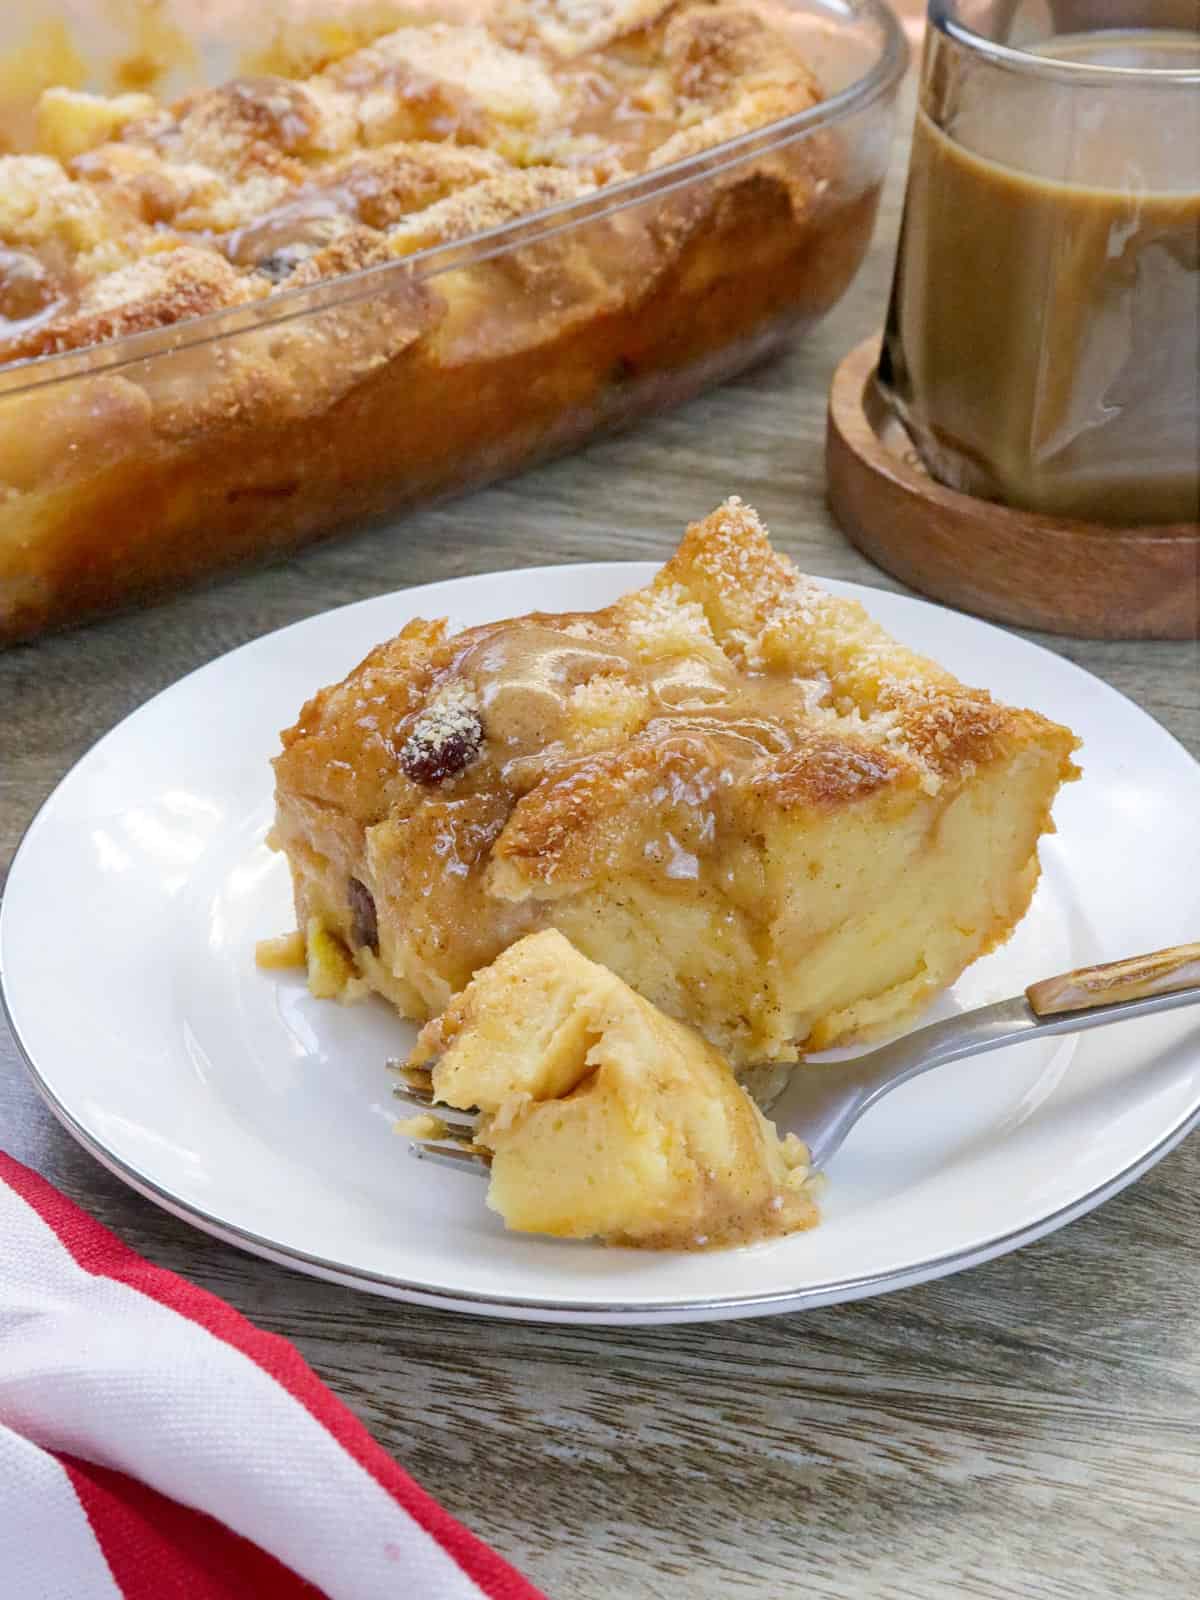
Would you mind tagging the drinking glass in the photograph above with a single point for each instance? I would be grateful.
(1042, 345)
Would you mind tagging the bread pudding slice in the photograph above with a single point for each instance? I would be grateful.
(731, 788)
(602, 1116)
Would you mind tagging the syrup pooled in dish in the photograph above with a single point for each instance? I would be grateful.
(604, 1118)
(731, 788)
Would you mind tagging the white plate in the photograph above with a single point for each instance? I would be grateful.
(236, 1101)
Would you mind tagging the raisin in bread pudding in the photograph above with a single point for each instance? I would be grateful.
(603, 1117)
(731, 787)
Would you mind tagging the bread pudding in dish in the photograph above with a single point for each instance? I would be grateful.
(413, 278)
(601, 1116)
(731, 788)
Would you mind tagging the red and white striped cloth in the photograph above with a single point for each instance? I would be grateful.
(154, 1445)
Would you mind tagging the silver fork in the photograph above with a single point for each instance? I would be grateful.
(825, 1101)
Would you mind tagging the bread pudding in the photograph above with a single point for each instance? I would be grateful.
(362, 350)
(731, 788)
(602, 1117)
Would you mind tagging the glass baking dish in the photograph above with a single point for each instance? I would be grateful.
(131, 467)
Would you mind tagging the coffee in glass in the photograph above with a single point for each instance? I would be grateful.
(1043, 340)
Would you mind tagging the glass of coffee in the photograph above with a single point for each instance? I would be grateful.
(1043, 341)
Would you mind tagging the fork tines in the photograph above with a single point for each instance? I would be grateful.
(416, 1085)
(417, 1080)
(460, 1158)
(453, 1145)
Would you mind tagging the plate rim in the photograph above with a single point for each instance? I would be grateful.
(545, 1309)
(521, 1308)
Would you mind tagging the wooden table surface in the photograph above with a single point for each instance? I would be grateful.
(1029, 1428)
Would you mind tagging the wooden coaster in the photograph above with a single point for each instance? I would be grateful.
(1080, 578)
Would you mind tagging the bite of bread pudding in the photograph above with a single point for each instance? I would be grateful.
(601, 1116)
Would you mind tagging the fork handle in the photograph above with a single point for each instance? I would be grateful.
(1135, 978)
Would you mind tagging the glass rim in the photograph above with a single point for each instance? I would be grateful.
(1014, 59)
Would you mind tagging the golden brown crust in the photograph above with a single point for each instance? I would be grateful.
(446, 82)
(250, 126)
(486, 205)
(156, 292)
(727, 54)
(389, 184)
(732, 73)
(727, 564)
(951, 730)
(826, 770)
(350, 251)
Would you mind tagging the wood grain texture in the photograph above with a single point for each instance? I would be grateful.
(1029, 1429)
(1135, 978)
(1071, 577)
